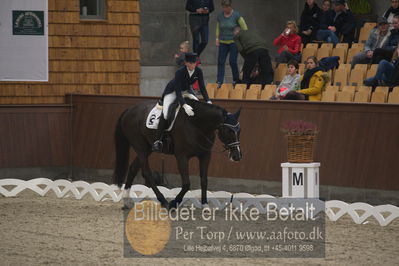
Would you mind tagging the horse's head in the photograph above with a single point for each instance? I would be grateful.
(229, 134)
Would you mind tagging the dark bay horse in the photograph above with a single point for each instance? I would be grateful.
(192, 137)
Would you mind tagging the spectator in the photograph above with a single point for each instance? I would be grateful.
(312, 82)
(184, 48)
(198, 20)
(391, 12)
(290, 82)
(310, 20)
(387, 72)
(227, 20)
(254, 51)
(386, 52)
(378, 37)
(343, 25)
(289, 43)
(326, 18)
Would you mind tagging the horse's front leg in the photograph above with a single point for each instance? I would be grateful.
(182, 164)
(146, 172)
(203, 165)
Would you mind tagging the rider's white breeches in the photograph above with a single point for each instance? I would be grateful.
(168, 99)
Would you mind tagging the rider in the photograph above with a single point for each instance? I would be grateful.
(177, 88)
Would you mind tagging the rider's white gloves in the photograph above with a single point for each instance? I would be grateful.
(188, 109)
(209, 102)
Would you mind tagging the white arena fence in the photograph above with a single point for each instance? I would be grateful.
(334, 209)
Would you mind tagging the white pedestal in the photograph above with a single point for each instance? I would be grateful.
(300, 180)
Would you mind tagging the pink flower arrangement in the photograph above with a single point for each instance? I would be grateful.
(299, 127)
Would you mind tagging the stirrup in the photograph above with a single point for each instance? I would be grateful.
(157, 146)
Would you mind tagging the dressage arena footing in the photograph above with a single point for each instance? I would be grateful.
(233, 185)
(63, 222)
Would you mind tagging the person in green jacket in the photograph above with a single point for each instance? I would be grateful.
(254, 51)
(226, 21)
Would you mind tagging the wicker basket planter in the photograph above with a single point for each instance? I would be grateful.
(301, 138)
(300, 148)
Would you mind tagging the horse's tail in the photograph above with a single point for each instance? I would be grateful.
(122, 153)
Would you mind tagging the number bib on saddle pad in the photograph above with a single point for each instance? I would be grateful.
(153, 118)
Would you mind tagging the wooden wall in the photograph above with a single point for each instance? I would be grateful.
(90, 57)
(35, 136)
(357, 145)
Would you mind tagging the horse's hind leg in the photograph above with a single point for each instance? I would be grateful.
(182, 163)
(133, 170)
(146, 172)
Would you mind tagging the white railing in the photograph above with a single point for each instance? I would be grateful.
(335, 209)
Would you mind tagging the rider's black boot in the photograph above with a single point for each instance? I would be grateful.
(158, 145)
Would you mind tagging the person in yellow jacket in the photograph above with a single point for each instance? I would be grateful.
(312, 81)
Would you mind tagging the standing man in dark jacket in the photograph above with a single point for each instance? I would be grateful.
(310, 20)
(198, 19)
(254, 50)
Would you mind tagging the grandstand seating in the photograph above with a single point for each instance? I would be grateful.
(359, 46)
(267, 92)
(301, 69)
(211, 88)
(364, 88)
(369, 25)
(363, 67)
(378, 97)
(332, 88)
(238, 91)
(330, 46)
(393, 97)
(340, 77)
(347, 67)
(253, 93)
(328, 96)
(383, 89)
(279, 73)
(372, 71)
(312, 45)
(344, 96)
(341, 52)
(224, 91)
(356, 77)
(364, 34)
(308, 52)
(351, 53)
(362, 97)
(342, 45)
(349, 88)
(346, 86)
(323, 52)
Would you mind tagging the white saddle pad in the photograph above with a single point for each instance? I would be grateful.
(153, 118)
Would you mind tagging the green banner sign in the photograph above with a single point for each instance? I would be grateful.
(27, 22)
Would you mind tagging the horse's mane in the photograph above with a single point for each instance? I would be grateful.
(205, 107)
(207, 114)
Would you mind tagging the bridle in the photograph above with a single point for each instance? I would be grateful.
(228, 146)
(235, 128)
